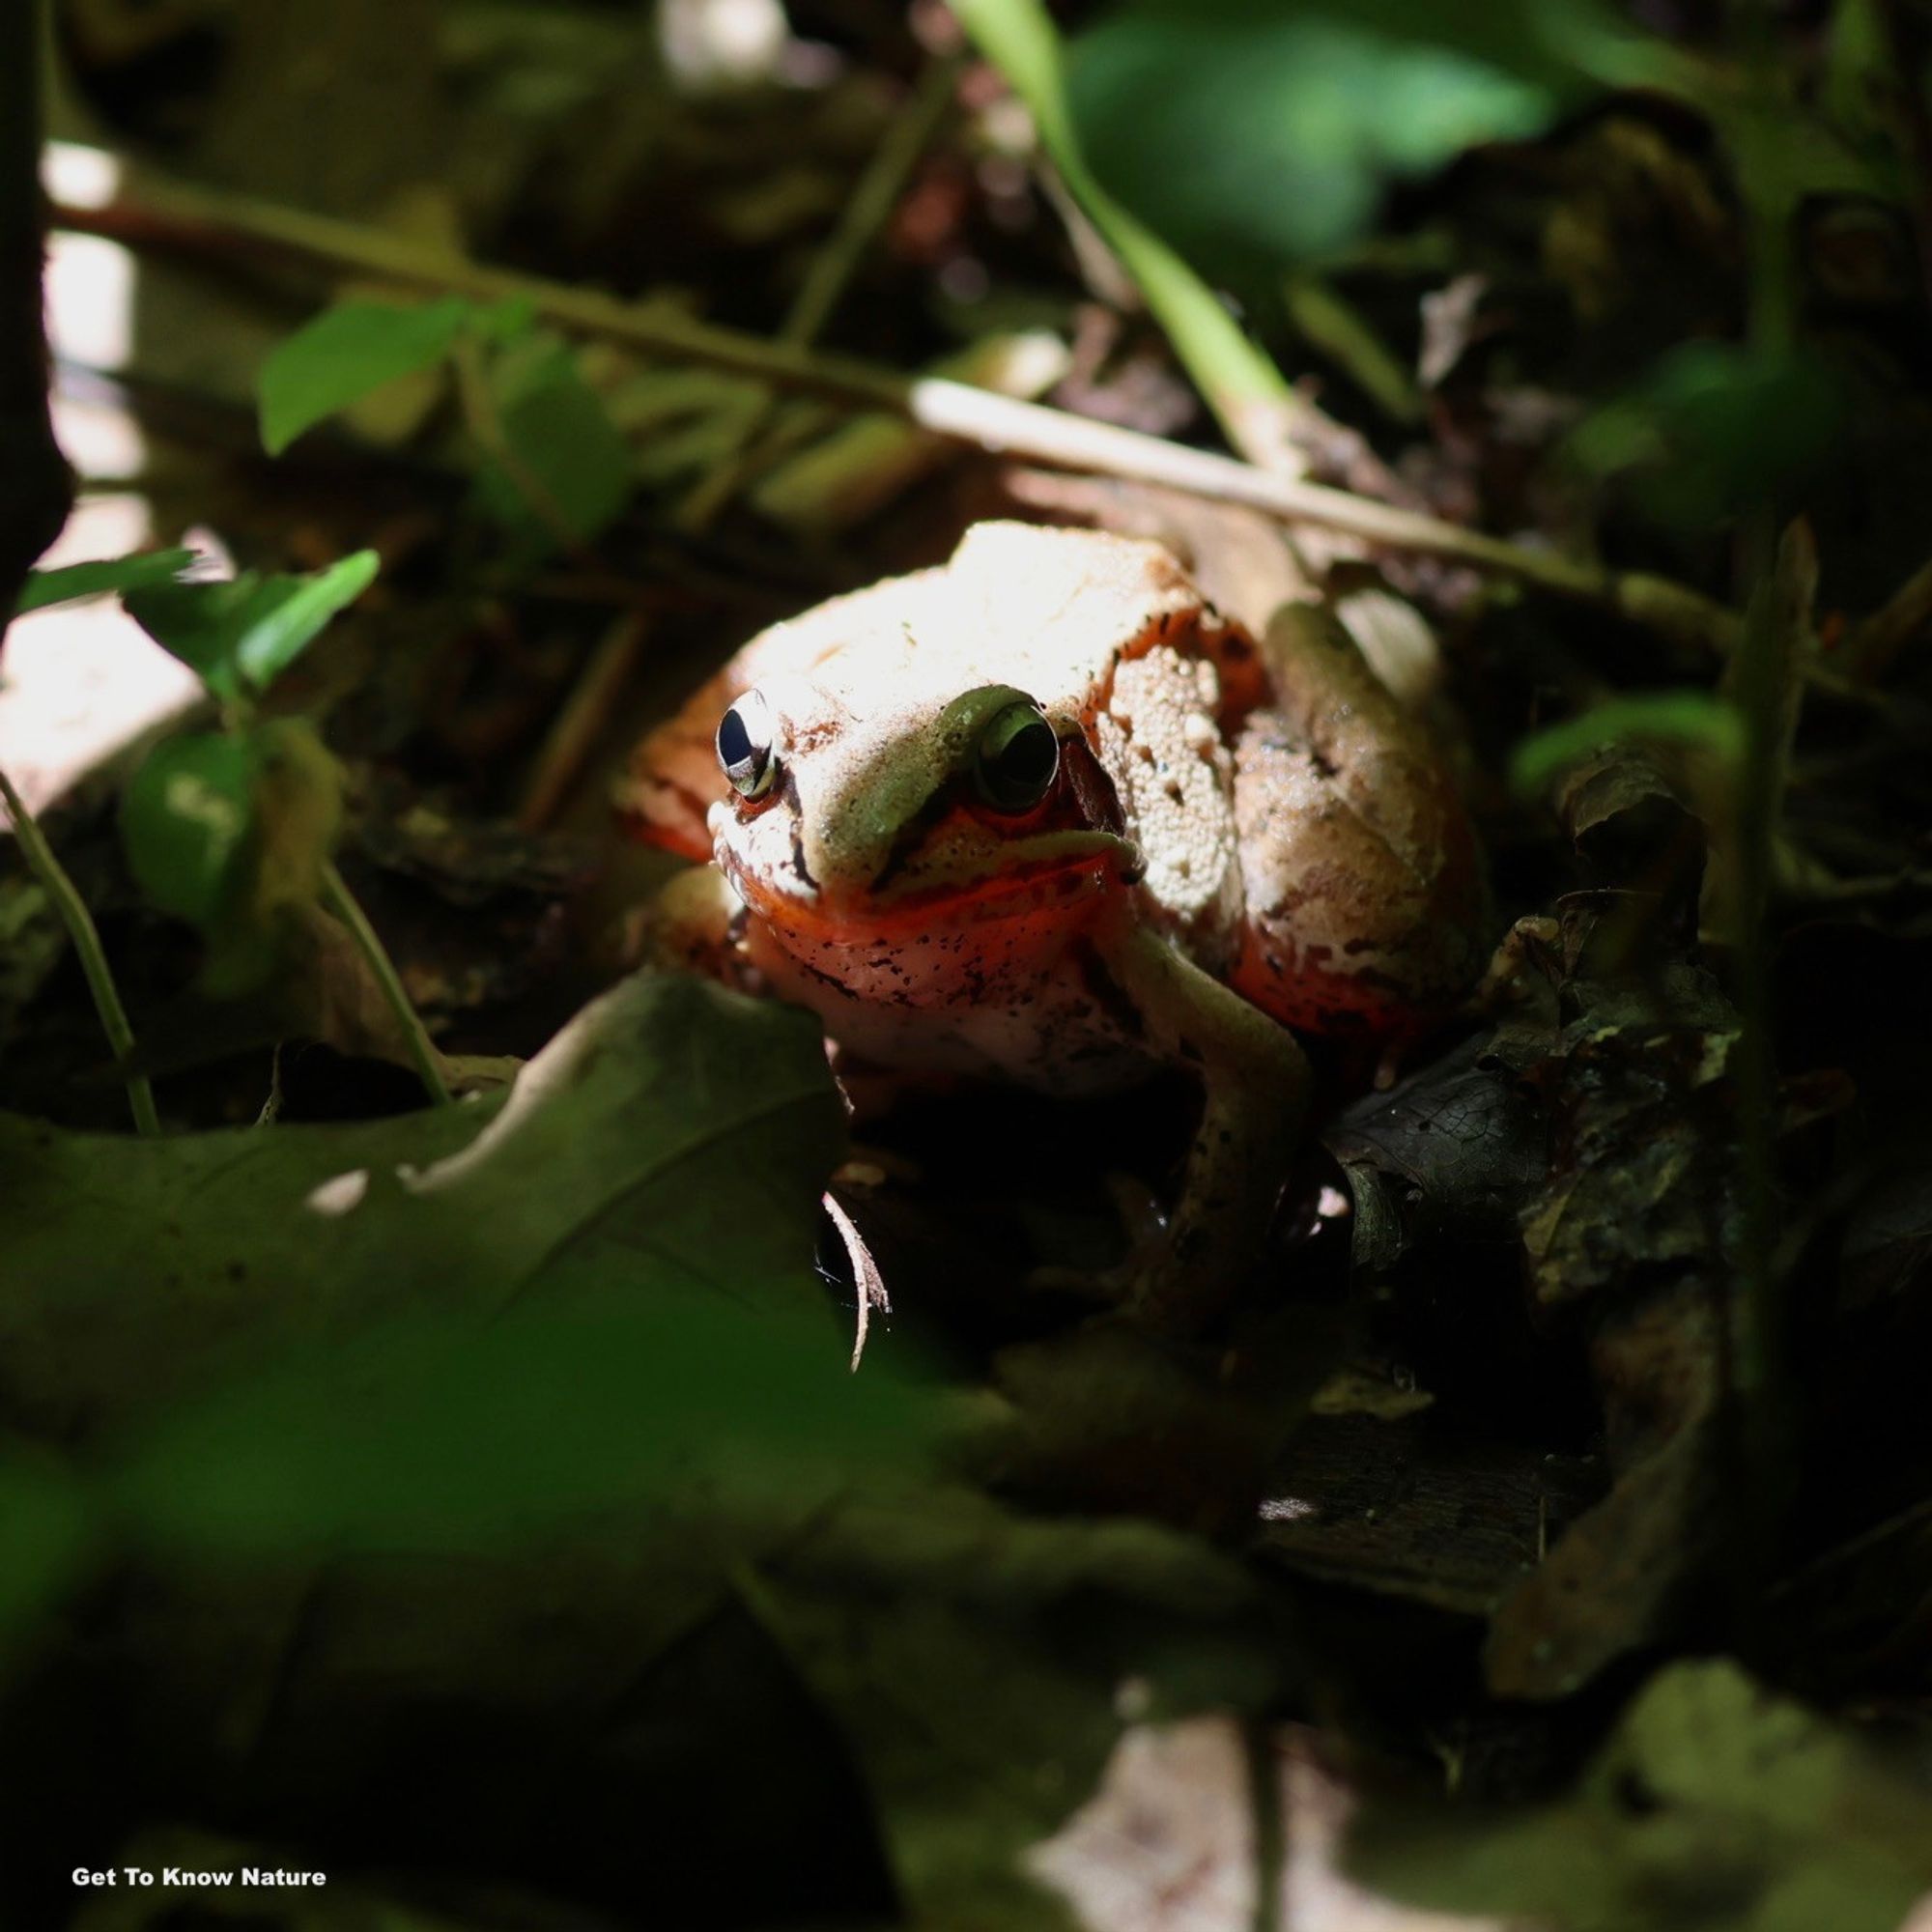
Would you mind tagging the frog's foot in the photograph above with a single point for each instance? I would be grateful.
(1139, 1211)
(1520, 972)
(695, 925)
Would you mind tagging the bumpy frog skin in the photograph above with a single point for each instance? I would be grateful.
(1236, 838)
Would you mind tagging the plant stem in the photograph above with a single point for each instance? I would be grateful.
(1766, 665)
(871, 205)
(86, 937)
(1254, 403)
(210, 221)
(341, 901)
(1766, 677)
(581, 717)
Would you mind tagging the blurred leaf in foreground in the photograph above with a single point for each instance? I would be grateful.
(575, 1341)
(95, 579)
(1257, 135)
(1714, 1804)
(44, 1532)
(443, 1433)
(671, 1142)
(435, 1332)
(240, 634)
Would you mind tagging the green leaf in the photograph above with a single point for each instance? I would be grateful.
(1682, 717)
(343, 354)
(565, 447)
(670, 1142)
(45, 1528)
(604, 1285)
(92, 580)
(459, 1431)
(239, 636)
(506, 321)
(1314, 111)
(1711, 430)
(186, 823)
(1240, 384)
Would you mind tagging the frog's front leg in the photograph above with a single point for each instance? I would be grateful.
(1255, 1081)
(697, 924)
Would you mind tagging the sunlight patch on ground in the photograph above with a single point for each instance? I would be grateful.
(1167, 1844)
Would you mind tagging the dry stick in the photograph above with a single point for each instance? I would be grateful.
(86, 937)
(873, 202)
(221, 224)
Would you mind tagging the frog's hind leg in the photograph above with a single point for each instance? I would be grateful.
(1361, 883)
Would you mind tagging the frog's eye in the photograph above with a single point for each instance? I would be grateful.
(748, 746)
(1016, 758)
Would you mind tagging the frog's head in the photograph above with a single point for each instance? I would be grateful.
(925, 811)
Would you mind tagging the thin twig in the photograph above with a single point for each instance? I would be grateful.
(86, 937)
(1764, 675)
(219, 223)
(1874, 646)
(874, 199)
(1768, 664)
(341, 901)
(583, 715)
(1270, 1783)
(1333, 325)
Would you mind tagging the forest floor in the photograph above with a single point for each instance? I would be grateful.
(470, 1500)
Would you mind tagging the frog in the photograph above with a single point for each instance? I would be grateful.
(1043, 814)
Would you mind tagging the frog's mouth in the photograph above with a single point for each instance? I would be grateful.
(1024, 869)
